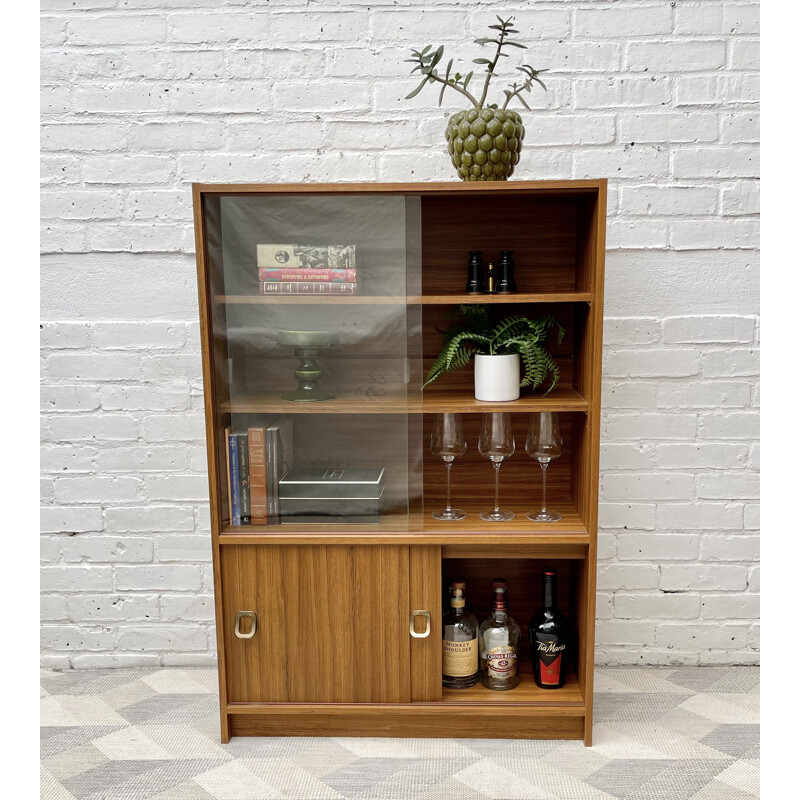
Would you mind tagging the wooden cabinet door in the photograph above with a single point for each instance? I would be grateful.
(332, 623)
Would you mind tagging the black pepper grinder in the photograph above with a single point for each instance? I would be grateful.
(505, 280)
(491, 280)
(475, 273)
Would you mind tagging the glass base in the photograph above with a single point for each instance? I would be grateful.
(547, 516)
(451, 515)
(497, 516)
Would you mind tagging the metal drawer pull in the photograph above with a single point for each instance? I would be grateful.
(251, 615)
(420, 613)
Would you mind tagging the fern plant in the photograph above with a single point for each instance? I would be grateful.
(474, 334)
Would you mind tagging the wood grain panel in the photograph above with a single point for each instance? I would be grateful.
(524, 578)
(332, 623)
(520, 475)
(540, 231)
(420, 721)
(426, 654)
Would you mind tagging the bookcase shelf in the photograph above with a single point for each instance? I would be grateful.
(435, 401)
(425, 300)
(331, 652)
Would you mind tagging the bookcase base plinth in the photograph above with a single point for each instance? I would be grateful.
(417, 720)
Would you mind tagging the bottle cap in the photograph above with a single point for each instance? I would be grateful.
(549, 572)
(458, 585)
(499, 583)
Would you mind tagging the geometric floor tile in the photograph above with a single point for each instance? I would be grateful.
(686, 733)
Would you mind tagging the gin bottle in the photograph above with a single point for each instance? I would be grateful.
(459, 642)
(498, 640)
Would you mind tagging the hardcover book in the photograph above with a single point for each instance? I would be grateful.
(306, 256)
(280, 456)
(244, 479)
(308, 287)
(257, 452)
(333, 275)
(235, 484)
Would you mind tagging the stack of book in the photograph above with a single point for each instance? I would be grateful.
(307, 269)
(256, 461)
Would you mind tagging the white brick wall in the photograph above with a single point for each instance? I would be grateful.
(142, 97)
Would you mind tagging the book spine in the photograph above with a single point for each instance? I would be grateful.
(308, 287)
(256, 449)
(331, 275)
(244, 478)
(272, 495)
(236, 488)
(228, 468)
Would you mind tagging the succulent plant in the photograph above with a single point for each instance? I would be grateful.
(485, 141)
(427, 59)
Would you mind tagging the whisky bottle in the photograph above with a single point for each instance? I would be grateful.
(498, 640)
(459, 642)
(549, 632)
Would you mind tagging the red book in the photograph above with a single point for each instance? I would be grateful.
(307, 287)
(257, 451)
(305, 275)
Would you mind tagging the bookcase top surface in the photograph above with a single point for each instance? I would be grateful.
(429, 187)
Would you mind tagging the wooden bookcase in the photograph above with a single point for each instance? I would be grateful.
(332, 653)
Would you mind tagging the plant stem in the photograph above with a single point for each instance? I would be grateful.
(490, 68)
(458, 89)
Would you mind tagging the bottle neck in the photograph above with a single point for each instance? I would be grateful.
(549, 590)
(499, 605)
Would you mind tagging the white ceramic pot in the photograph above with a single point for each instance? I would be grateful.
(497, 378)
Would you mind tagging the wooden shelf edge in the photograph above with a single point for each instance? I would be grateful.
(435, 401)
(411, 300)
(567, 709)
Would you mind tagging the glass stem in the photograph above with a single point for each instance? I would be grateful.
(448, 465)
(543, 465)
(496, 465)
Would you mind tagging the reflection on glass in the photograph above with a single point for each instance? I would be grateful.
(496, 443)
(447, 442)
(544, 444)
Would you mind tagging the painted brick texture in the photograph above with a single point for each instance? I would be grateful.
(140, 99)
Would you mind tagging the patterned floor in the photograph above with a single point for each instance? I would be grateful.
(152, 734)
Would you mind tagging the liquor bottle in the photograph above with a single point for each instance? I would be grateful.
(549, 632)
(491, 280)
(505, 279)
(459, 642)
(474, 273)
(498, 640)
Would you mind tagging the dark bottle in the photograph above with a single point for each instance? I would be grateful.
(549, 632)
(475, 273)
(505, 268)
(459, 642)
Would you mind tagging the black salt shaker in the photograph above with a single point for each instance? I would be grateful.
(475, 273)
(505, 268)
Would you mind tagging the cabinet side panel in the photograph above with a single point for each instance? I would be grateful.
(205, 289)
(426, 654)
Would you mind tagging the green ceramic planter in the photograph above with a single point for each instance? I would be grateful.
(485, 144)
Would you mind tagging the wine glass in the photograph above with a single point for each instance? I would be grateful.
(447, 442)
(496, 443)
(544, 444)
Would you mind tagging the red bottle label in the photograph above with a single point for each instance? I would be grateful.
(550, 673)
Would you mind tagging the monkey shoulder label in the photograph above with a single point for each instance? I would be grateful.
(549, 654)
(460, 659)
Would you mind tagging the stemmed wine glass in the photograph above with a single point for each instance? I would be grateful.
(544, 444)
(447, 442)
(496, 443)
